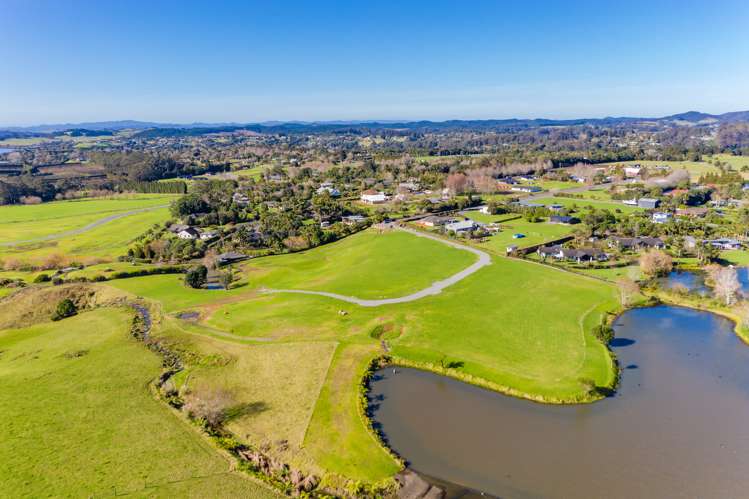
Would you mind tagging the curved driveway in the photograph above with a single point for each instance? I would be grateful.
(87, 228)
(435, 288)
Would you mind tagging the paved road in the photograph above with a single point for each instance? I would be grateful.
(87, 228)
(434, 289)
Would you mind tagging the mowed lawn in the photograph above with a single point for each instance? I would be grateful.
(20, 223)
(533, 232)
(613, 206)
(79, 420)
(370, 264)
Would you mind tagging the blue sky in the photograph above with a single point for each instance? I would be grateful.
(183, 61)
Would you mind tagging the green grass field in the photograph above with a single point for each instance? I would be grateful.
(79, 421)
(368, 265)
(327, 343)
(22, 223)
(19, 223)
(613, 206)
(294, 361)
(695, 168)
(535, 233)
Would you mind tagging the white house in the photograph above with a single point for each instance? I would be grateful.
(461, 226)
(661, 217)
(485, 210)
(373, 197)
(188, 233)
(632, 171)
(208, 235)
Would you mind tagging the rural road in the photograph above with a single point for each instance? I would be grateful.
(87, 228)
(435, 288)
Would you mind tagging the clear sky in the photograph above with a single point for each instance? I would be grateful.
(243, 61)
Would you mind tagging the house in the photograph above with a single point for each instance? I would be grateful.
(177, 228)
(556, 207)
(435, 221)
(550, 251)
(208, 235)
(353, 219)
(630, 202)
(583, 255)
(410, 186)
(230, 257)
(327, 187)
(371, 196)
(503, 186)
(725, 243)
(240, 199)
(512, 249)
(661, 217)
(632, 171)
(462, 226)
(485, 210)
(693, 212)
(526, 188)
(565, 220)
(648, 203)
(188, 233)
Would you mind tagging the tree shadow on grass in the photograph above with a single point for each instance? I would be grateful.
(247, 409)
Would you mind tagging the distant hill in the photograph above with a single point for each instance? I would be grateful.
(176, 129)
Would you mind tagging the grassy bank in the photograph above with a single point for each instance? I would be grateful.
(80, 421)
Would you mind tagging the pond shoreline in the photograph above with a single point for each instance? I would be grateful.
(462, 434)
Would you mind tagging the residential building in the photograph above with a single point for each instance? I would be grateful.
(353, 219)
(565, 220)
(648, 203)
(526, 188)
(462, 226)
(661, 217)
(725, 243)
(188, 233)
(371, 196)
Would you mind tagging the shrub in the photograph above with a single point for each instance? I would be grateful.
(42, 278)
(208, 405)
(196, 276)
(66, 308)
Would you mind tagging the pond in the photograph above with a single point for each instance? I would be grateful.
(675, 428)
(694, 281)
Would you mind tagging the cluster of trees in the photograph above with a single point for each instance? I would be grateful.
(172, 187)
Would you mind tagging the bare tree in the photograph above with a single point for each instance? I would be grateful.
(655, 263)
(628, 289)
(457, 183)
(210, 405)
(725, 283)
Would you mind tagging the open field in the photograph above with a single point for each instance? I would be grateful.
(39, 223)
(553, 185)
(20, 223)
(613, 206)
(369, 265)
(257, 340)
(80, 421)
(695, 168)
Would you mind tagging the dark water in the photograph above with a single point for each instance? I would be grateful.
(677, 427)
(695, 281)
